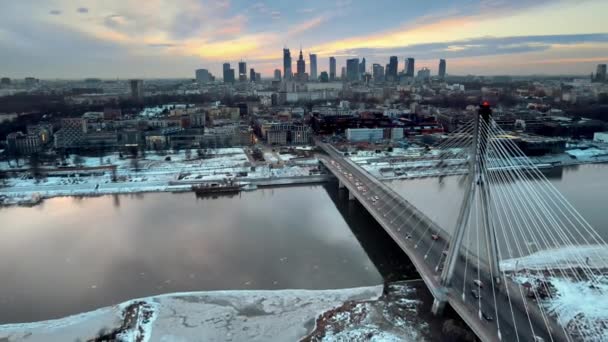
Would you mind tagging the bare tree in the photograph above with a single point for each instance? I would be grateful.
(78, 160)
(35, 165)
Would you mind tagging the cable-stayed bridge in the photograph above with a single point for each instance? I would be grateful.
(490, 265)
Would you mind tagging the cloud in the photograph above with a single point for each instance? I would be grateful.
(163, 45)
(55, 12)
(82, 10)
(306, 26)
(484, 46)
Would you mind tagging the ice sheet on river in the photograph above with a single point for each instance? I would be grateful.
(285, 315)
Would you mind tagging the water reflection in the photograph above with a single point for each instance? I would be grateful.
(73, 255)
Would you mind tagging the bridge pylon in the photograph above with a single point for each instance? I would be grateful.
(475, 185)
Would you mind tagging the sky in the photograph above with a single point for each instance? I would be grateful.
(172, 38)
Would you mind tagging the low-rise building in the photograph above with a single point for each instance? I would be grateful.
(23, 144)
(364, 134)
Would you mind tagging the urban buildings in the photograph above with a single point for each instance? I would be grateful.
(5, 81)
(203, 76)
(352, 69)
(600, 73)
(277, 74)
(392, 69)
(362, 68)
(287, 74)
(301, 68)
(442, 68)
(332, 69)
(424, 74)
(228, 73)
(378, 72)
(18, 143)
(324, 77)
(252, 77)
(137, 89)
(409, 72)
(242, 71)
(313, 66)
(364, 134)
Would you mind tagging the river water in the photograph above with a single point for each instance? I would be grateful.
(71, 255)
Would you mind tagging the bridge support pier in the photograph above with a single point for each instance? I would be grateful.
(340, 184)
(438, 307)
(351, 197)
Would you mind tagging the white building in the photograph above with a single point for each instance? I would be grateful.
(364, 134)
(601, 137)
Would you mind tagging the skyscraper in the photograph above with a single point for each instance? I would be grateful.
(409, 67)
(301, 68)
(227, 73)
(277, 74)
(600, 73)
(378, 72)
(287, 64)
(442, 68)
(332, 69)
(393, 67)
(203, 76)
(252, 75)
(343, 74)
(242, 71)
(352, 69)
(362, 66)
(313, 66)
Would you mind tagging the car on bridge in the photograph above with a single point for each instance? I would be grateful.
(435, 237)
(476, 294)
(478, 282)
(487, 316)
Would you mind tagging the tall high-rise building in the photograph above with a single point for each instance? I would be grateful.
(287, 64)
(600, 73)
(332, 69)
(442, 68)
(277, 74)
(301, 68)
(242, 71)
(203, 76)
(352, 69)
(409, 67)
(252, 75)
(362, 66)
(343, 74)
(137, 88)
(313, 66)
(378, 72)
(227, 73)
(393, 67)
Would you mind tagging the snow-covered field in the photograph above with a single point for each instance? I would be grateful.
(592, 256)
(153, 172)
(579, 306)
(284, 315)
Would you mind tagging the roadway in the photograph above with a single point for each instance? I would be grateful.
(413, 231)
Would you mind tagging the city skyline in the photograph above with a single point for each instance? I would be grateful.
(68, 39)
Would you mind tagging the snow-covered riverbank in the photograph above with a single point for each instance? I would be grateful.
(153, 173)
(284, 315)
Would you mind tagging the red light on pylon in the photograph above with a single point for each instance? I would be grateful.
(486, 104)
